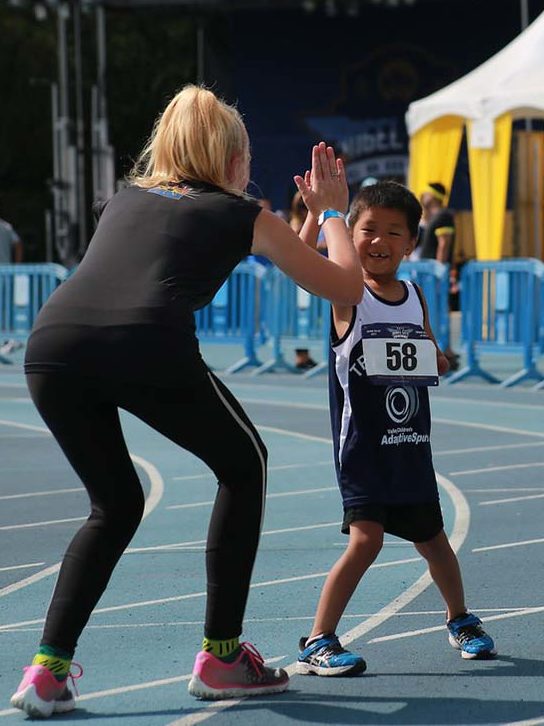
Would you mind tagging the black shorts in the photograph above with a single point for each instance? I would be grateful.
(413, 522)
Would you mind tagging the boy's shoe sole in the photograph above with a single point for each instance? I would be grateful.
(482, 655)
(28, 701)
(307, 669)
(201, 690)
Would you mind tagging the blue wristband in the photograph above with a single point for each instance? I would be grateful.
(327, 214)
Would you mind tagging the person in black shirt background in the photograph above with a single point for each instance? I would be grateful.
(438, 239)
(120, 334)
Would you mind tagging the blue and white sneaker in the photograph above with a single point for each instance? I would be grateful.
(467, 635)
(324, 656)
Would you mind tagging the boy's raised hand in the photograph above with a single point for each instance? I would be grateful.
(325, 187)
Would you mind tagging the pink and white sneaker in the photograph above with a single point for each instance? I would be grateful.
(213, 679)
(40, 694)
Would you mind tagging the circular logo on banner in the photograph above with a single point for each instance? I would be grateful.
(401, 404)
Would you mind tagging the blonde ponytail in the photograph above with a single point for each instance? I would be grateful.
(194, 139)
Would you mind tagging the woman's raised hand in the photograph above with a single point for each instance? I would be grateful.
(325, 187)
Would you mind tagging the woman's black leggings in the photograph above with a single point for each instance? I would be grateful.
(204, 418)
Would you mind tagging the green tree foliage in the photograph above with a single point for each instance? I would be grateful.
(151, 53)
(27, 67)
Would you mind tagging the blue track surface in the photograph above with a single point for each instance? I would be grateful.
(139, 647)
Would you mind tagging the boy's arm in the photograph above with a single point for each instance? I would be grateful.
(442, 362)
(310, 231)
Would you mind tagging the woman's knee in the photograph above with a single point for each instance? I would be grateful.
(120, 516)
(248, 466)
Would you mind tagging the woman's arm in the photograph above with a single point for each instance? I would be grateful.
(338, 278)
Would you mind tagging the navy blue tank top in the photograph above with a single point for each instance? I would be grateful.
(381, 433)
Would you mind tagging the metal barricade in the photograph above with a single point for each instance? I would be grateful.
(290, 314)
(501, 306)
(235, 313)
(24, 288)
(434, 280)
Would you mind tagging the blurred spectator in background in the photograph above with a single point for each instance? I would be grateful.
(297, 215)
(11, 250)
(437, 239)
(438, 235)
(11, 247)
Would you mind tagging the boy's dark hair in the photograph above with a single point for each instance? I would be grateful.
(387, 195)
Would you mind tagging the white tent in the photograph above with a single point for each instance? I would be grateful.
(512, 80)
(509, 85)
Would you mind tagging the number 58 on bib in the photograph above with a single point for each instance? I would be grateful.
(399, 354)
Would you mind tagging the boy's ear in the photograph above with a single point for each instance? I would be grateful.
(410, 246)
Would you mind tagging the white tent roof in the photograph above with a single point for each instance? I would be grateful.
(511, 81)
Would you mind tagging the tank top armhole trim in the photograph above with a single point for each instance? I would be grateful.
(420, 298)
(335, 340)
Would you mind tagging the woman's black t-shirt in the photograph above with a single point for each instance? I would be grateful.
(157, 256)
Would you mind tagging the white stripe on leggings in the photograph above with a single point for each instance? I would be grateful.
(251, 435)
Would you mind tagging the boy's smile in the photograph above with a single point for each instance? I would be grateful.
(382, 238)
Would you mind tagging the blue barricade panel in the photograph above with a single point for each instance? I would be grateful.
(502, 313)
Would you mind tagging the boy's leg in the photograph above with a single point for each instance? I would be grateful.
(365, 543)
(445, 571)
(465, 629)
(322, 654)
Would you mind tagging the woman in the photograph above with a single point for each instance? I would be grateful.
(120, 333)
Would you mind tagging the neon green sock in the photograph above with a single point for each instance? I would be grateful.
(226, 650)
(54, 659)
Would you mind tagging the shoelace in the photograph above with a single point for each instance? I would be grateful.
(333, 648)
(468, 632)
(75, 676)
(255, 658)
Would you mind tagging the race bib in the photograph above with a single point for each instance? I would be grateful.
(400, 353)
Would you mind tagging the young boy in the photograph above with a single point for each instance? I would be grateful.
(383, 358)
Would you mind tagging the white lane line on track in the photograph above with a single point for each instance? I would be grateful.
(460, 529)
(441, 628)
(155, 494)
(196, 542)
(489, 490)
(22, 567)
(506, 467)
(275, 495)
(5, 497)
(436, 419)
(45, 523)
(458, 535)
(511, 499)
(278, 467)
(508, 545)
(478, 449)
(249, 621)
(324, 407)
(193, 595)
(488, 427)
